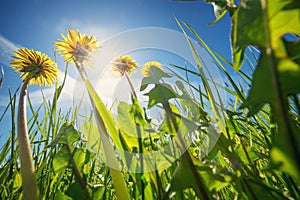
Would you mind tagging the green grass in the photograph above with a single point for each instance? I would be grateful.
(72, 162)
(238, 167)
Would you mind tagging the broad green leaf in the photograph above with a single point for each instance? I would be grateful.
(131, 122)
(155, 76)
(283, 153)
(67, 135)
(183, 177)
(92, 135)
(76, 192)
(81, 157)
(264, 23)
(61, 159)
(262, 88)
(253, 20)
(125, 119)
(248, 15)
(161, 93)
(183, 124)
(243, 153)
(61, 196)
(192, 108)
(64, 157)
(98, 191)
(293, 50)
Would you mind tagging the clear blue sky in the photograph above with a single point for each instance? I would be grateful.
(38, 23)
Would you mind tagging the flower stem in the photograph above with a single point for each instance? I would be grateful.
(30, 188)
(186, 154)
(131, 86)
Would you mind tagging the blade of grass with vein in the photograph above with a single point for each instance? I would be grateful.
(13, 130)
(210, 95)
(105, 120)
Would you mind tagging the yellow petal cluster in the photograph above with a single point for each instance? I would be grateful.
(76, 46)
(35, 66)
(123, 65)
(146, 68)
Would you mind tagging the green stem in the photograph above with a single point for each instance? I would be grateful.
(78, 176)
(186, 153)
(139, 141)
(30, 188)
(131, 86)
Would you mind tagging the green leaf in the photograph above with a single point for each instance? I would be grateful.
(61, 159)
(184, 125)
(183, 177)
(98, 191)
(293, 50)
(76, 192)
(283, 155)
(126, 120)
(61, 196)
(261, 91)
(161, 93)
(130, 121)
(221, 7)
(248, 15)
(242, 153)
(264, 23)
(81, 157)
(156, 75)
(67, 135)
(251, 18)
(91, 133)
(192, 108)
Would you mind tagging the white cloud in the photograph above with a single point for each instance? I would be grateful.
(6, 50)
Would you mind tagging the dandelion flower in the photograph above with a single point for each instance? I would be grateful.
(146, 68)
(76, 46)
(123, 65)
(34, 66)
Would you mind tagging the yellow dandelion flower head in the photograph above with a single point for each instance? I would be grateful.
(76, 46)
(35, 66)
(122, 65)
(146, 68)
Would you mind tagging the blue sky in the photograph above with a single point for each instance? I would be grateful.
(38, 23)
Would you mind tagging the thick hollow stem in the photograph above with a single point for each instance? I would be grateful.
(30, 188)
(130, 84)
